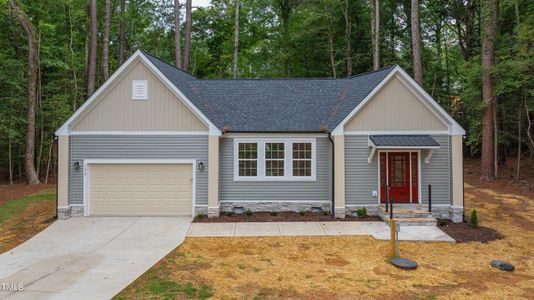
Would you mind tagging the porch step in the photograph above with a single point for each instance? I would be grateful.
(411, 215)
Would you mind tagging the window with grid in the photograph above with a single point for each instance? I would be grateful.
(302, 159)
(248, 159)
(274, 159)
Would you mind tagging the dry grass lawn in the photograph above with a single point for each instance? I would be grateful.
(353, 267)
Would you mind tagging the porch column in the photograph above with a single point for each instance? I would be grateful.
(457, 178)
(339, 176)
(213, 176)
(63, 177)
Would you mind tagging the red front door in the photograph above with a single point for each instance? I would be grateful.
(399, 171)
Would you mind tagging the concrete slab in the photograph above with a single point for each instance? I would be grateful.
(301, 228)
(89, 258)
(212, 229)
(257, 229)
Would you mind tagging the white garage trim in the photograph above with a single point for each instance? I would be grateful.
(88, 162)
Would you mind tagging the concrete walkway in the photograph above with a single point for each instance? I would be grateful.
(89, 258)
(379, 230)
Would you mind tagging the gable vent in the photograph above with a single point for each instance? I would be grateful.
(139, 89)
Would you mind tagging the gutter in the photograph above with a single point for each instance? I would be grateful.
(333, 209)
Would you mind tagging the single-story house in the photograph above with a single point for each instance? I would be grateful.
(155, 140)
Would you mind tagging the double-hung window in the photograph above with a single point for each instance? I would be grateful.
(280, 159)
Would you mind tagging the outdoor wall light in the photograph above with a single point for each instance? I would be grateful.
(76, 165)
(200, 166)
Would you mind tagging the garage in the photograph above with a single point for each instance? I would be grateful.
(139, 189)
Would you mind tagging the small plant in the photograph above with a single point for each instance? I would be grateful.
(230, 213)
(473, 219)
(325, 213)
(361, 212)
(442, 222)
(242, 266)
(302, 213)
(200, 216)
(248, 213)
(273, 214)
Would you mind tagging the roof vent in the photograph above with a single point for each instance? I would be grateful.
(139, 89)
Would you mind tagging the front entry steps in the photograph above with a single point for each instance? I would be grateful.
(408, 215)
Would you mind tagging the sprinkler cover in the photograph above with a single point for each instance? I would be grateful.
(403, 263)
(502, 265)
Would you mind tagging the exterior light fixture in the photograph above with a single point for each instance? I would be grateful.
(76, 165)
(200, 166)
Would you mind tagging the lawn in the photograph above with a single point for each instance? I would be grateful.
(23, 217)
(356, 267)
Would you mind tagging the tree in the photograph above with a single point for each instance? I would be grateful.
(177, 47)
(489, 16)
(375, 27)
(330, 14)
(91, 71)
(122, 37)
(105, 40)
(236, 40)
(29, 155)
(416, 43)
(348, 30)
(187, 41)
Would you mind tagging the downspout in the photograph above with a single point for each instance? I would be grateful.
(463, 183)
(333, 209)
(55, 137)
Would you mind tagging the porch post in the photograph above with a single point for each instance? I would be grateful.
(63, 177)
(339, 176)
(457, 207)
(213, 176)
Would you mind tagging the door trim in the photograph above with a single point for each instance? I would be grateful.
(419, 175)
(88, 162)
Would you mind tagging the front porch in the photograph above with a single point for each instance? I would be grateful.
(407, 214)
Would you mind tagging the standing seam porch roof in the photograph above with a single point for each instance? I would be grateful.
(274, 105)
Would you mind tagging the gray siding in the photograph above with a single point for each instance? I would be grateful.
(137, 147)
(361, 178)
(235, 191)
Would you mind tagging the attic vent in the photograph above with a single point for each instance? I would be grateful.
(139, 90)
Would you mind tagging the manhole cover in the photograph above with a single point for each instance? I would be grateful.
(403, 263)
(502, 265)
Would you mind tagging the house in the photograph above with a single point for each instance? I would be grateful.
(154, 140)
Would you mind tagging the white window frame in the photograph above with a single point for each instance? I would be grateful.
(288, 159)
(140, 82)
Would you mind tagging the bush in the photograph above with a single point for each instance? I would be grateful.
(200, 216)
(442, 222)
(230, 213)
(325, 213)
(302, 213)
(361, 212)
(248, 212)
(473, 219)
(273, 213)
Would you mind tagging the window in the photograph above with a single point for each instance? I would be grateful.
(139, 89)
(278, 159)
(302, 159)
(274, 159)
(248, 159)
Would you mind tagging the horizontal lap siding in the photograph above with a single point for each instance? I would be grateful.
(438, 173)
(361, 178)
(319, 190)
(137, 147)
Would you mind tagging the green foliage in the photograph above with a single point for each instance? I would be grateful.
(302, 213)
(361, 212)
(161, 288)
(16, 206)
(248, 213)
(274, 214)
(473, 219)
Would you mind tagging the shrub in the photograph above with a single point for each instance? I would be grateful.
(302, 213)
(248, 212)
(200, 216)
(361, 212)
(273, 213)
(442, 222)
(473, 219)
(325, 213)
(230, 213)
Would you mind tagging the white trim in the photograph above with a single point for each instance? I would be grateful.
(88, 162)
(429, 156)
(454, 127)
(419, 175)
(273, 135)
(277, 201)
(177, 133)
(65, 129)
(396, 133)
(288, 159)
(407, 147)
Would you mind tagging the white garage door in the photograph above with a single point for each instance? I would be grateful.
(140, 189)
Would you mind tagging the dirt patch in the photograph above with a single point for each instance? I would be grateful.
(18, 190)
(463, 233)
(280, 217)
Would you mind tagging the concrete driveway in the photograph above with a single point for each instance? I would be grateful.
(88, 258)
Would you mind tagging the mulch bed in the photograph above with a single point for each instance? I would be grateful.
(280, 217)
(463, 233)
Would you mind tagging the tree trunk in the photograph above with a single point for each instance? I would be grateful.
(329, 9)
(49, 159)
(375, 27)
(519, 125)
(187, 40)
(416, 43)
(348, 31)
(105, 40)
(29, 166)
(122, 38)
(490, 15)
(91, 72)
(236, 40)
(177, 47)
(9, 154)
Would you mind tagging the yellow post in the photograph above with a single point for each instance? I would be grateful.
(393, 227)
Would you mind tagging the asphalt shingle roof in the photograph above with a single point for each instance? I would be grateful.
(404, 140)
(273, 105)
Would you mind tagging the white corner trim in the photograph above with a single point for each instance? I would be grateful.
(65, 129)
(173, 133)
(88, 162)
(454, 127)
(429, 156)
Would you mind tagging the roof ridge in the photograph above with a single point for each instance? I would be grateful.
(374, 71)
(164, 62)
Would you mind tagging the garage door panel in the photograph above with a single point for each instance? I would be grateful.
(140, 189)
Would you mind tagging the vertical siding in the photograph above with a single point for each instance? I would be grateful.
(137, 147)
(361, 178)
(319, 190)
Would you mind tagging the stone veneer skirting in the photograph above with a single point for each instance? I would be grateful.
(441, 212)
(275, 206)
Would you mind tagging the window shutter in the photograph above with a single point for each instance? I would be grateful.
(139, 90)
